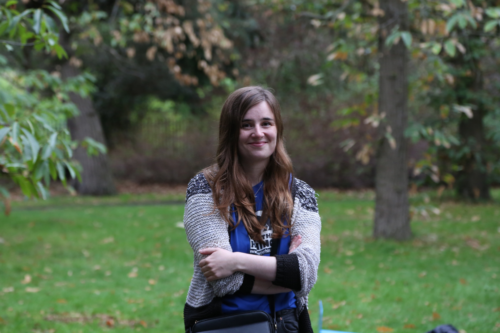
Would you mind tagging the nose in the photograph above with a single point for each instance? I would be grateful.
(258, 132)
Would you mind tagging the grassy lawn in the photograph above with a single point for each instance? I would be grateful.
(74, 265)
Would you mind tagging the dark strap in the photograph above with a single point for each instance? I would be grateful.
(275, 244)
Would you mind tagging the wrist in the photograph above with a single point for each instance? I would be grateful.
(237, 262)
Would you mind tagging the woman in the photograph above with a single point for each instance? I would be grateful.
(242, 206)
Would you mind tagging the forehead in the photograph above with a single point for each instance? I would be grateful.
(259, 111)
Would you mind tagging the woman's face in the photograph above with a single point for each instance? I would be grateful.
(258, 134)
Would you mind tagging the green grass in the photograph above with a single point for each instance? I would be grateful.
(130, 266)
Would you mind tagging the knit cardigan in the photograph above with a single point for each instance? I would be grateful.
(205, 228)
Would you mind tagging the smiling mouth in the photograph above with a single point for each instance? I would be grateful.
(257, 144)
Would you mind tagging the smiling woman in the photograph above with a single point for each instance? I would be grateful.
(253, 227)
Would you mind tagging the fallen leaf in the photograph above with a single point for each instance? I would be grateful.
(409, 326)
(133, 273)
(327, 270)
(143, 323)
(180, 225)
(384, 329)
(475, 218)
(152, 282)
(62, 301)
(32, 290)
(422, 274)
(463, 281)
(110, 322)
(108, 240)
(436, 316)
(27, 279)
(8, 289)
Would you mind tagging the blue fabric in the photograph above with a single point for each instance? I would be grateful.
(240, 242)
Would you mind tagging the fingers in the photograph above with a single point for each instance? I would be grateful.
(208, 251)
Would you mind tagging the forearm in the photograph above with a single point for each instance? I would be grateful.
(262, 267)
(264, 287)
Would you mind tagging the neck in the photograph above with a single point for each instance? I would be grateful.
(255, 171)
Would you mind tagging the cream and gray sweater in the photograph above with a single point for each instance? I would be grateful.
(206, 228)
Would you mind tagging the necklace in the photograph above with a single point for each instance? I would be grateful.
(260, 188)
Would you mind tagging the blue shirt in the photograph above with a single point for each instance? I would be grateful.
(241, 242)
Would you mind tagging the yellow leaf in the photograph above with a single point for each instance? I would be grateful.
(27, 279)
(409, 326)
(384, 329)
(435, 316)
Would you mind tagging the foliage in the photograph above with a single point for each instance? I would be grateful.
(35, 144)
(446, 39)
(166, 49)
(35, 26)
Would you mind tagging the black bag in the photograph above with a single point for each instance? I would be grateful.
(244, 322)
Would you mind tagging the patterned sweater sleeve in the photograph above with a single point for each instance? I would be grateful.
(206, 228)
(299, 270)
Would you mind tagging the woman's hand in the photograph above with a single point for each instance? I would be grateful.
(218, 265)
(294, 244)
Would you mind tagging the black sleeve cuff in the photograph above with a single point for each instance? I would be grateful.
(288, 272)
(246, 286)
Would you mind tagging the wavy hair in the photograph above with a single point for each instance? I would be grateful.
(229, 183)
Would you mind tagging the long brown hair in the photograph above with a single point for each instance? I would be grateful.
(227, 178)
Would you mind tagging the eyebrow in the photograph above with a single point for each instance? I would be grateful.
(244, 120)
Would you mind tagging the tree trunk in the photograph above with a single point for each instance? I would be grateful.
(392, 218)
(96, 174)
(472, 181)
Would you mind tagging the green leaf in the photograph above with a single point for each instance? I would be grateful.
(491, 25)
(391, 39)
(449, 46)
(3, 26)
(15, 132)
(471, 20)
(25, 185)
(61, 16)
(14, 22)
(452, 22)
(71, 170)
(3, 132)
(37, 20)
(50, 146)
(60, 171)
(10, 3)
(35, 146)
(493, 12)
(52, 169)
(436, 48)
(55, 4)
(60, 51)
(407, 38)
(42, 190)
